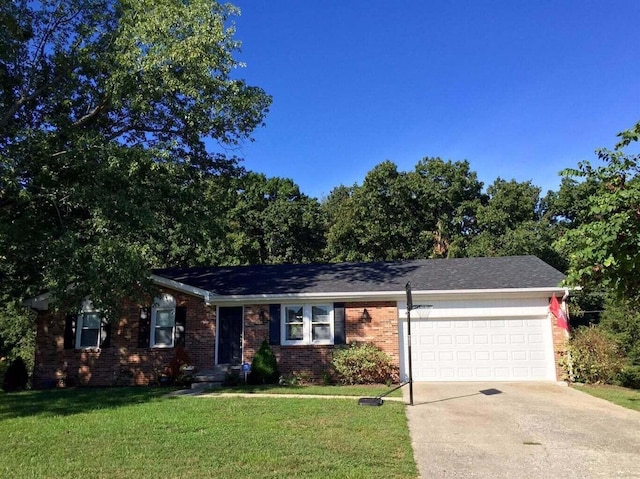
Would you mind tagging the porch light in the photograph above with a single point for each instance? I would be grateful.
(366, 317)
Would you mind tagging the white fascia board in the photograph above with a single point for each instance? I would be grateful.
(185, 288)
(381, 295)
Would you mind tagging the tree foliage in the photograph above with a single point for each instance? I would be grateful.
(427, 212)
(105, 108)
(271, 221)
(17, 332)
(621, 319)
(603, 251)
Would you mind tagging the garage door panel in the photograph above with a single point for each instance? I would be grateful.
(482, 355)
(519, 355)
(500, 355)
(537, 356)
(467, 350)
(463, 356)
(445, 355)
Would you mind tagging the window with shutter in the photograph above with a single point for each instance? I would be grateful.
(163, 322)
(307, 324)
(91, 329)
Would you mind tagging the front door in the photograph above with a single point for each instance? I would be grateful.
(230, 335)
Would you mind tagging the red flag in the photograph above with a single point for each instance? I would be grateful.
(557, 311)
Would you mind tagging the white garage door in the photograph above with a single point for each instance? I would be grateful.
(469, 349)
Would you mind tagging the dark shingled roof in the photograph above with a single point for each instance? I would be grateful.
(432, 274)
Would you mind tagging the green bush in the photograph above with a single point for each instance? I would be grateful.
(629, 377)
(264, 367)
(621, 319)
(593, 356)
(364, 364)
(296, 378)
(16, 376)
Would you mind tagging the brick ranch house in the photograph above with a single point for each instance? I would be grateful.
(483, 319)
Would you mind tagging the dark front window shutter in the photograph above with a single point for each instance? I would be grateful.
(105, 333)
(70, 331)
(339, 336)
(274, 324)
(181, 324)
(144, 327)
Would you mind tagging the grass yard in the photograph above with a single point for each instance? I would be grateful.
(139, 432)
(629, 398)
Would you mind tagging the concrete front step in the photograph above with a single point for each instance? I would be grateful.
(206, 385)
(215, 375)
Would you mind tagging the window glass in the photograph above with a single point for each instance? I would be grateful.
(320, 314)
(91, 321)
(294, 319)
(321, 332)
(165, 318)
(320, 323)
(164, 337)
(88, 327)
(89, 338)
(163, 321)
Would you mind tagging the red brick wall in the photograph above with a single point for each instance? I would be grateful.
(123, 359)
(313, 361)
(559, 348)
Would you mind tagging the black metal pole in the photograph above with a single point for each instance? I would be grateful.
(409, 351)
(409, 308)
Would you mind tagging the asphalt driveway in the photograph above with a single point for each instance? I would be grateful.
(528, 430)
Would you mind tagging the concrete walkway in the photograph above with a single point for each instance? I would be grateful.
(520, 430)
(208, 393)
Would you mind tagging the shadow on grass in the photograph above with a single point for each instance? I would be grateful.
(64, 402)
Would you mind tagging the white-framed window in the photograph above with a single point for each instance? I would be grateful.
(307, 324)
(88, 327)
(163, 322)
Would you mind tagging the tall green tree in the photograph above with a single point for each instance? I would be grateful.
(272, 222)
(375, 222)
(427, 212)
(511, 222)
(603, 252)
(105, 109)
(448, 196)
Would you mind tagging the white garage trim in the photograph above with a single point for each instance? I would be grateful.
(508, 339)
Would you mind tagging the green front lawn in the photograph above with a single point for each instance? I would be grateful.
(139, 432)
(629, 398)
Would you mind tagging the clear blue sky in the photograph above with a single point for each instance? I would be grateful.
(520, 89)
